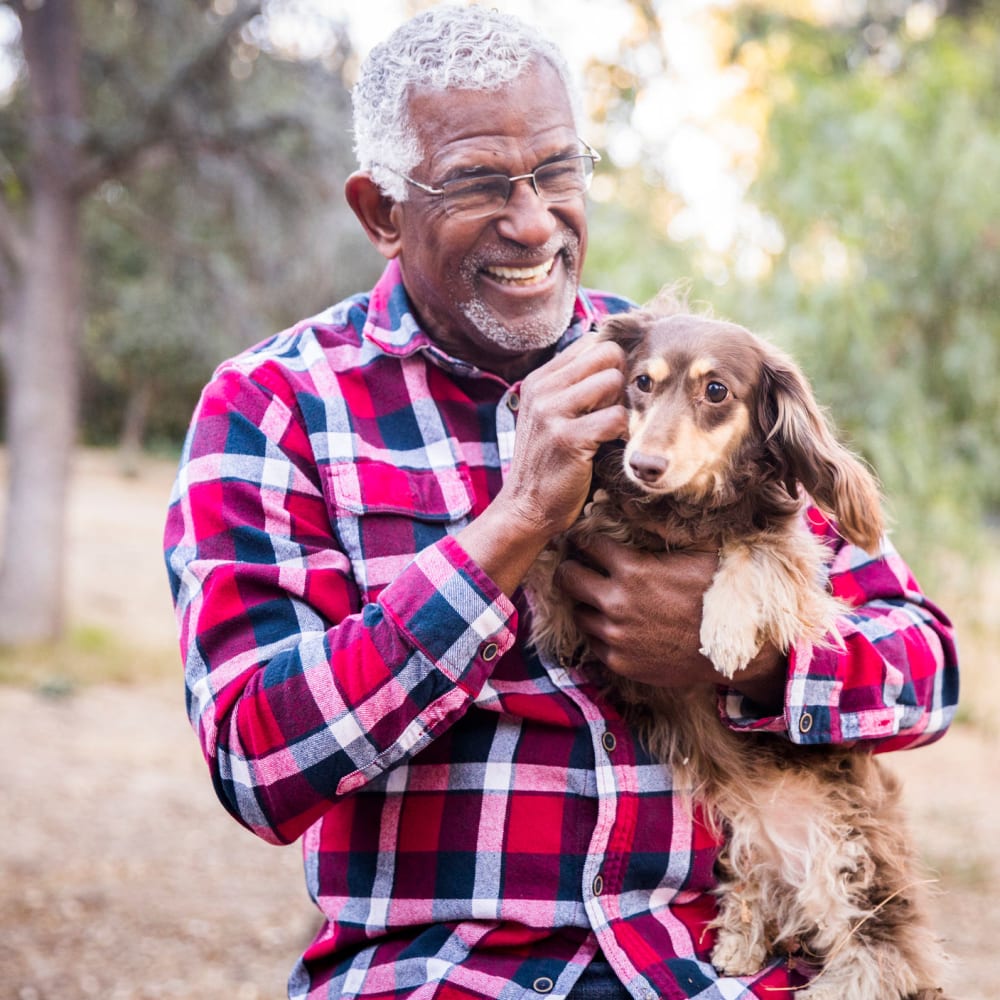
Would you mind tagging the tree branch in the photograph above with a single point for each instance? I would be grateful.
(242, 134)
(114, 157)
(244, 138)
(162, 236)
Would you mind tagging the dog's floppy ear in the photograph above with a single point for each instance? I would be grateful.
(625, 329)
(802, 445)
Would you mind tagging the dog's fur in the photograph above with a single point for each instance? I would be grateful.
(725, 442)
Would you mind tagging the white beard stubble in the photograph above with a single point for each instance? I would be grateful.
(530, 333)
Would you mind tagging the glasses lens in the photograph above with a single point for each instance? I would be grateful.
(564, 179)
(473, 197)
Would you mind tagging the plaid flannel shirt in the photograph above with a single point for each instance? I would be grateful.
(476, 823)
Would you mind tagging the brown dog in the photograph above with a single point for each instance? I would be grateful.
(725, 443)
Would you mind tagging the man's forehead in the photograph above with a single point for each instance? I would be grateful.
(502, 152)
(533, 109)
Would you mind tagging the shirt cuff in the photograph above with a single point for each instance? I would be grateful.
(741, 713)
(453, 613)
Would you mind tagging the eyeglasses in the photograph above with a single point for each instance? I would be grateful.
(477, 197)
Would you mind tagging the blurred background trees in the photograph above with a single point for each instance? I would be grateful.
(871, 248)
(200, 153)
(169, 193)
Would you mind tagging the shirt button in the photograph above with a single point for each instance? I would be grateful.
(489, 651)
(805, 722)
(543, 985)
(609, 741)
(513, 402)
(598, 885)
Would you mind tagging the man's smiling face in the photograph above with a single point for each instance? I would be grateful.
(496, 291)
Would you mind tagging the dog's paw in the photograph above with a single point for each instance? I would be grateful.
(729, 646)
(734, 955)
(730, 624)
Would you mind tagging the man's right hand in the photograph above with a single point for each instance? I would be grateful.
(570, 406)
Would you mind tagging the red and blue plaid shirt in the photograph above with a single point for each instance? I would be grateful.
(476, 823)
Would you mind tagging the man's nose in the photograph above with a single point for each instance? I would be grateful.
(526, 218)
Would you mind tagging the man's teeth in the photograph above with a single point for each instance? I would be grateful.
(521, 273)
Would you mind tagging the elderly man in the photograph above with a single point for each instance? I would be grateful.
(358, 502)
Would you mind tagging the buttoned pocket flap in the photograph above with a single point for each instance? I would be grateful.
(374, 487)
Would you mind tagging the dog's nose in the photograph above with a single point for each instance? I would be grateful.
(647, 468)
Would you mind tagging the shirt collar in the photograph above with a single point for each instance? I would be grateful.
(393, 327)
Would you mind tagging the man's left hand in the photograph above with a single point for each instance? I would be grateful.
(641, 612)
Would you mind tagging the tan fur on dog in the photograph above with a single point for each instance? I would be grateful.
(725, 441)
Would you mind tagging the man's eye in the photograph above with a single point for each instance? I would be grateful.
(643, 383)
(474, 187)
(561, 175)
(716, 392)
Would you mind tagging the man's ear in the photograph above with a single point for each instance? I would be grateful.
(375, 213)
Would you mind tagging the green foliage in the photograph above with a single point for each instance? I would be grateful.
(214, 247)
(883, 183)
(628, 250)
(879, 166)
(229, 226)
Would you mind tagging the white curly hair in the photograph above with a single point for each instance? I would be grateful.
(466, 48)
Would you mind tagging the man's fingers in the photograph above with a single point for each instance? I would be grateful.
(569, 408)
(576, 408)
(602, 425)
(602, 551)
(589, 346)
(577, 362)
(581, 583)
(578, 391)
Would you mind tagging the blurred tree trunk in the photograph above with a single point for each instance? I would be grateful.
(41, 263)
(41, 346)
(133, 433)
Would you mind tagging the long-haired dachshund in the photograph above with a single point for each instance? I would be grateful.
(726, 446)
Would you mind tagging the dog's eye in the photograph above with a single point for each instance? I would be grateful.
(716, 392)
(644, 383)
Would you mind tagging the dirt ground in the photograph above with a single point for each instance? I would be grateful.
(122, 878)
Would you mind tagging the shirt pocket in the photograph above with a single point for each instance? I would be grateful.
(384, 515)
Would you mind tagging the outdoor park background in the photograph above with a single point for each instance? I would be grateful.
(823, 172)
